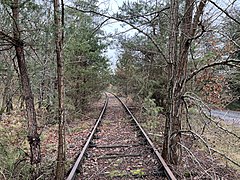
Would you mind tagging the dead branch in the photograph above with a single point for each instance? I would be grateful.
(147, 14)
(227, 62)
(198, 136)
(219, 126)
(6, 48)
(3, 175)
(210, 149)
(8, 38)
(99, 26)
(223, 155)
(206, 115)
(187, 114)
(229, 38)
(225, 12)
(234, 99)
(195, 158)
(101, 170)
(194, 97)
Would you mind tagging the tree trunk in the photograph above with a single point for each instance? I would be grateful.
(172, 123)
(177, 67)
(33, 136)
(60, 86)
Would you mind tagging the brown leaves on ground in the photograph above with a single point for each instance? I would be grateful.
(77, 131)
(13, 130)
(14, 146)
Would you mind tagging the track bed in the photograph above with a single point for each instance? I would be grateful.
(118, 149)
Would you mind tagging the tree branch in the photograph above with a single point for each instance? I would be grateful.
(206, 115)
(149, 14)
(230, 39)
(126, 22)
(6, 48)
(223, 155)
(199, 12)
(225, 12)
(225, 62)
(8, 38)
(220, 127)
(195, 159)
(210, 149)
(99, 26)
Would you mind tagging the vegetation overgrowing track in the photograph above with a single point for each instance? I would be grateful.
(118, 148)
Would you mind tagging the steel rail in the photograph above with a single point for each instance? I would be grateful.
(167, 170)
(75, 168)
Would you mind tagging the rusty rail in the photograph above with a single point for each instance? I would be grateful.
(75, 168)
(165, 167)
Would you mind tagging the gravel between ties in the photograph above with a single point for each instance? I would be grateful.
(119, 152)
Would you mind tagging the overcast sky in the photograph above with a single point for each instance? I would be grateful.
(112, 26)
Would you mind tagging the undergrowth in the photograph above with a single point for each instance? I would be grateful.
(14, 147)
(210, 147)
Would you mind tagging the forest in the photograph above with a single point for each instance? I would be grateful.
(175, 62)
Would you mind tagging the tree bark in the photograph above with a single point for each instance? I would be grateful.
(171, 100)
(33, 136)
(177, 71)
(60, 170)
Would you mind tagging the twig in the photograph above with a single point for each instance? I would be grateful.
(40, 177)
(153, 134)
(199, 137)
(220, 127)
(200, 104)
(225, 12)
(3, 175)
(210, 149)
(225, 62)
(223, 155)
(101, 170)
(203, 111)
(194, 158)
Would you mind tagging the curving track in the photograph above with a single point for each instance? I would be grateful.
(118, 148)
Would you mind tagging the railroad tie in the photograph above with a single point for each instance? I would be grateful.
(113, 156)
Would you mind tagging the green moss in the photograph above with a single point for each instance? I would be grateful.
(137, 172)
(117, 173)
(187, 174)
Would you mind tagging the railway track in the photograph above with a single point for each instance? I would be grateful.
(118, 148)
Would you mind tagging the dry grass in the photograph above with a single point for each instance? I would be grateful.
(216, 145)
(219, 135)
(200, 161)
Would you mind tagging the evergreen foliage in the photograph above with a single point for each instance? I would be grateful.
(87, 70)
(147, 68)
(232, 30)
(140, 68)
